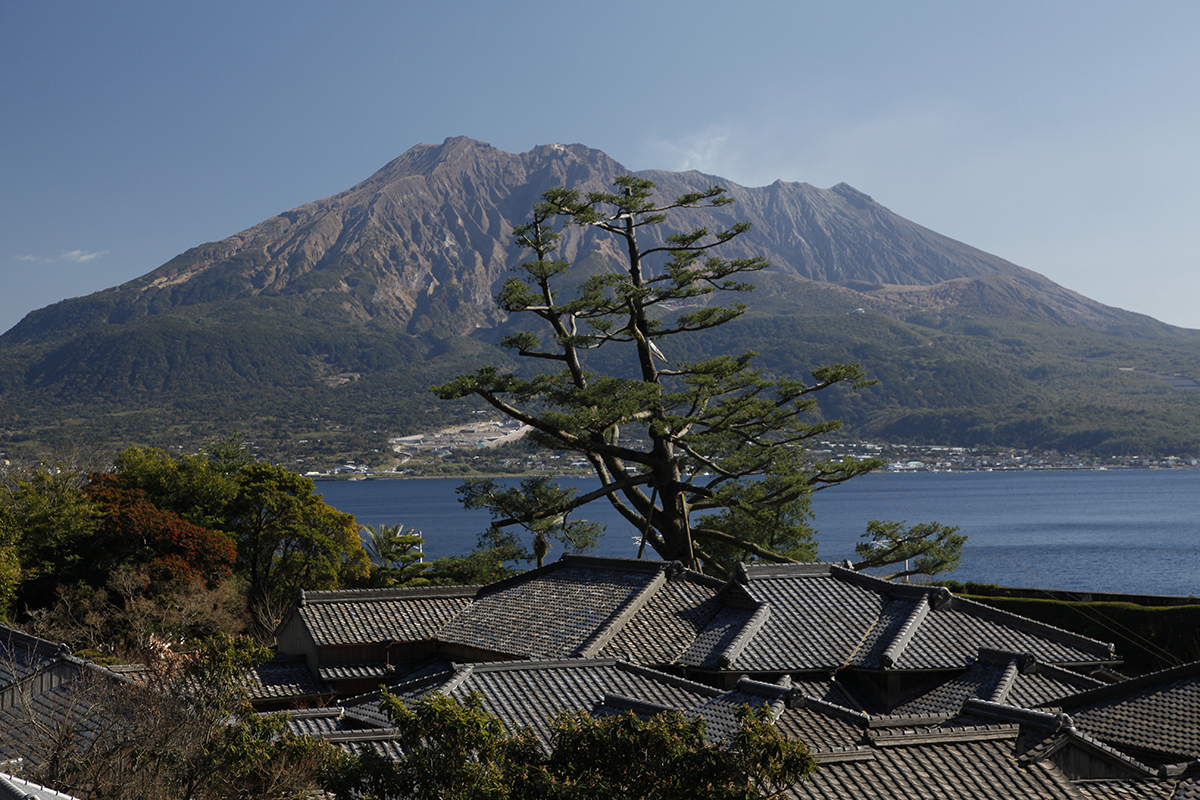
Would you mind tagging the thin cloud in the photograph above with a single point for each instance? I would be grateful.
(81, 257)
(73, 256)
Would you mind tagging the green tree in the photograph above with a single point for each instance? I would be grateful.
(289, 539)
(481, 566)
(932, 547)
(197, 487)
(53, 524)
(666, 438)
(457, 750)
(396, 557)
(507, 505)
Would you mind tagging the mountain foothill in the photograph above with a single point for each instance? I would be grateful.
(330, 321)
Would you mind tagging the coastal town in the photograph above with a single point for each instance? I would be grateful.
(498, 446)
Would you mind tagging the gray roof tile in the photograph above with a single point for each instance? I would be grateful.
(1155, 714)
(823, 616)
(930, 768)
(380, 615)
(566, 608)
(14, 788)
(284, 677)
(530, 693)
(21, 655)
(669, 623)
(816, 621)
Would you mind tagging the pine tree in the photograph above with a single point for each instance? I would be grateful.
(668, 439)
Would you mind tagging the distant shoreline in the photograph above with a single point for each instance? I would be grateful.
(376, 476)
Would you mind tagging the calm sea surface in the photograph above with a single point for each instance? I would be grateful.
(1134, 531)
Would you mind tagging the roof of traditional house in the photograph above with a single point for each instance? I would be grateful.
(971, 765)
(1156, 716)
(581, 606)
(531, 693)
(810, 617)
(358, 616)
(15, 788)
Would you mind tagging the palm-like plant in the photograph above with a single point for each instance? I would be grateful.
(396, 557)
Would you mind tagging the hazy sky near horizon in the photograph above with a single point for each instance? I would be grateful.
(1062, 136)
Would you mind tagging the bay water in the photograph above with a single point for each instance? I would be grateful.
(1131, 530)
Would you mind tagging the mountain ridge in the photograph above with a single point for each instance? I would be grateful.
(437, 221)
(347, 308)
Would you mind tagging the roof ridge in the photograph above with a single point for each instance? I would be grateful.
(638, 564)
(1005, 684)
(1072, 734)
(742, 639)
(673, 680)
(909, 736)
(891, 656)
(28, 641)
(540, 663)
(898, 590)
(634, 704)
(387, 593)
(748, 572)
(605, 632)
(1024, 716)
(831, 709)
(1119, 688)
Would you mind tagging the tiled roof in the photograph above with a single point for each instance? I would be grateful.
(1042, 683)
(982, 680)
(284, 677)
(936, 768)
(29, 726)
(823, 616)
(816, 621)
(669, 622)
(1126, 789)
(575, 606)
(823, 726)
(826, 689)
(953, 634)
(721, 712)
(1155, 714)
(380, 615)
(14, 788)
(530, 693)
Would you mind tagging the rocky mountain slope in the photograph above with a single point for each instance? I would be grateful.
(346, 307)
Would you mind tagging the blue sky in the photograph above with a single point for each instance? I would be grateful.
(1062, 136)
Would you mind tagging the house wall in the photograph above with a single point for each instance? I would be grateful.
(56, 674)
